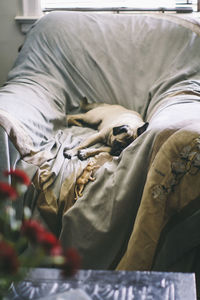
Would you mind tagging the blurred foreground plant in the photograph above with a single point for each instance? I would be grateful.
(44, 249)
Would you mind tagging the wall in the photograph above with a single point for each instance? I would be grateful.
(10, 37)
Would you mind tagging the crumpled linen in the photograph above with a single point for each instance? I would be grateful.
(172, 183)
(147, 63)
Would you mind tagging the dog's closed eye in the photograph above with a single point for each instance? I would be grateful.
(120, 129)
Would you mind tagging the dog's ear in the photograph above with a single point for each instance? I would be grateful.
(120, 129)
(141, 129)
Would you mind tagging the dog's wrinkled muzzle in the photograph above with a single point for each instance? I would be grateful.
(117, 148)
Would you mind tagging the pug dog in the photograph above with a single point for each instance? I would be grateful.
(117, 128)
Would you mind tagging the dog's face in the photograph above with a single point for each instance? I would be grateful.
(122, 136)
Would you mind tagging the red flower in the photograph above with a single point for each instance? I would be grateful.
(7, 191)
(72, 262)
(9, 263)
(37, 234)
(19, 176)
(50, 243)
(32, 230)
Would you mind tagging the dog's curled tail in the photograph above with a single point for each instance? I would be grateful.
(86, 106)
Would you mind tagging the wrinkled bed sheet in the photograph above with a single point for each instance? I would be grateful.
(149, 63)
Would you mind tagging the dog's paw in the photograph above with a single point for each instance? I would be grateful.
(83, 154)
(69, 153)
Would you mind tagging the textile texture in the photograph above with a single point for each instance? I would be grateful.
(147, 63)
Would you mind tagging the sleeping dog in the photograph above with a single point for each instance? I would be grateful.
(117, 128)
